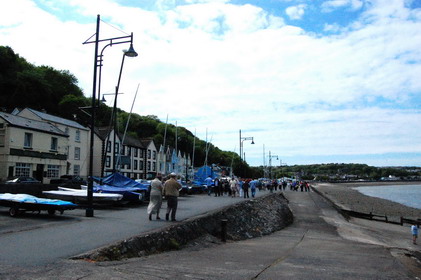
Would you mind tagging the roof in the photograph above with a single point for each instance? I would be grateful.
(55, 119)
(22, 122)
(133, 142)
(147, 141)
(103, 133)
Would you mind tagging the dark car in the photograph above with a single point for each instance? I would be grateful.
(23, 180)
(69, 181)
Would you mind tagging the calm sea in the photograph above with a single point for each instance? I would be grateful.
(409, 195)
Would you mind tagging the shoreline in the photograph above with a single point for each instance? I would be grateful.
(348, 198)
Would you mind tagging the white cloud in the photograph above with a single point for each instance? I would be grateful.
(296, 12)
(225, 67)
(331, 5)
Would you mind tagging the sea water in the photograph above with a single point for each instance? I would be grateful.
(409, 195)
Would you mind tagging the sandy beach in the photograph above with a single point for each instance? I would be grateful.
(344, 195)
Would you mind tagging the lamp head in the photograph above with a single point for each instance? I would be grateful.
(130, 52)
(103, 99)
(252, 141)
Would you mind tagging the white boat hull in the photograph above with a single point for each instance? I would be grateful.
(76, 195)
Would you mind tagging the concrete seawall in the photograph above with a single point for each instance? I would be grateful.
(247, 219)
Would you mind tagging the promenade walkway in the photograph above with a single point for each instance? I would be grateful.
(320, 244)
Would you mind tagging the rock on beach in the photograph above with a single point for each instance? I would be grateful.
(345, 196)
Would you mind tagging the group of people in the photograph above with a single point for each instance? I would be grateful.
(170, 189)
(241, 187)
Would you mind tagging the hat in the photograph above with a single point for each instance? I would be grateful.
(172, 174)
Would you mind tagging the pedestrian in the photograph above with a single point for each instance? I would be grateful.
(171, 192)
(414, 231)
(307, 186)
(269, 186)
(233, 186)
(209, 184)
(274, 185)
(246, 186)
(253, 185)
(155, 197)
(217, 187)
(240, 187)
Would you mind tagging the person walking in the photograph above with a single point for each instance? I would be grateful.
(155, 200)
(246, 186)
(209, 184)
(233, 186)
(253, 185)
(217, 187)
(171, 192)
(414, 231)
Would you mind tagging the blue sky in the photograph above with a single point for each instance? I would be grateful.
(313, 81)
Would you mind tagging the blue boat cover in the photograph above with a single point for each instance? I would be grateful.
(26, 198)
(120, 181)
(203, 173)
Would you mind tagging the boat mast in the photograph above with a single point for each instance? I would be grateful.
(164, 151)
(194, 146)
(127, 125)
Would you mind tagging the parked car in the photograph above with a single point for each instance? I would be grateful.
(23, 180)
(69, 181)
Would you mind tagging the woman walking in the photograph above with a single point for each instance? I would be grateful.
(155, 200)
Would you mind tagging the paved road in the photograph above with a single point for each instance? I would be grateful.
(33, 240)
(320, 244)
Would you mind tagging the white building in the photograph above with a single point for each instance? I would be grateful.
(31, 148)
(78, 140)
(151, 158)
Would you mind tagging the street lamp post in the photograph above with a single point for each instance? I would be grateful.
(98, 64)
(130, 53)
(242, 139)
(270, 163)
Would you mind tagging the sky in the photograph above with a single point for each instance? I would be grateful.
(312, 81)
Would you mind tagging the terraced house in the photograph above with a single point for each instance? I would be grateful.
(77, 149)
(31, 148)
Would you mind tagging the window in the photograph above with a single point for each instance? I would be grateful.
(129, 151)
(109, 147)
(154, 166)
(54, 144)
(77, 136)
(149, 166)
(123, 148)
(77, 153)
(154, 155)
(108, 161)
(140, 164)
(23, 169)
(53, 171)
(135, 164)
(2, 135)
(149, 154)
(136, 150)
(116, 147)
(28, 140)
(76, 169)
